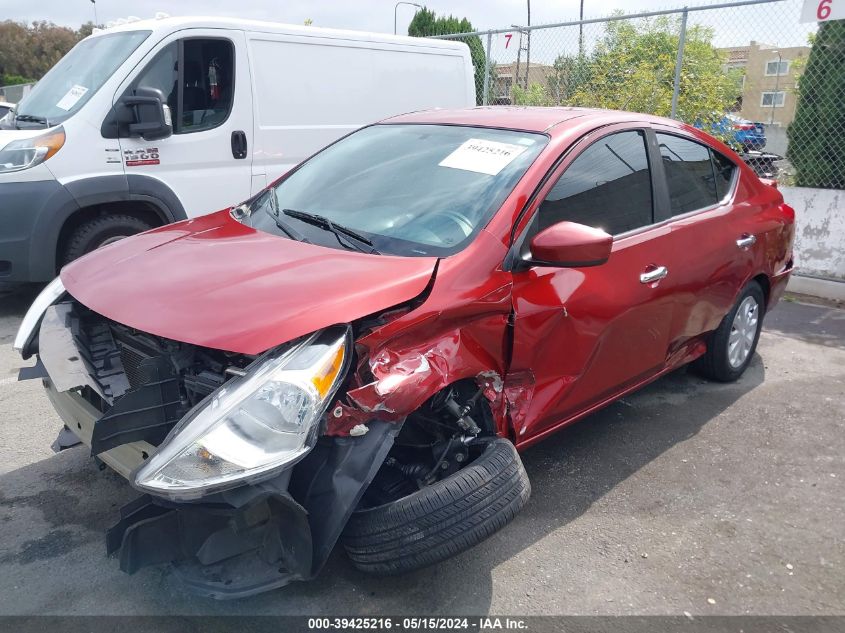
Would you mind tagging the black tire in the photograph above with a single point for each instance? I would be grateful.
(443, 519)
(93, 234)
(715, 363)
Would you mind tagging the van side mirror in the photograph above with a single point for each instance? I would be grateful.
(149, 116)
(570, 245)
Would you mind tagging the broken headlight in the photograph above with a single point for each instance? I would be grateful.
(253, 425)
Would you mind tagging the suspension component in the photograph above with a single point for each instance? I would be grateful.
(462, 417)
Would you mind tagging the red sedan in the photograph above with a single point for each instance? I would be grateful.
(358, 352)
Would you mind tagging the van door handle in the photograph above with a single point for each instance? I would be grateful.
(746, 241)
(239, 144)
(653, 274)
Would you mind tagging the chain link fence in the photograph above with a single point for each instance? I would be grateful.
(747, 72)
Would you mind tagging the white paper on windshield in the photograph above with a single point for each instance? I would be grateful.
(71, 97)
(483, 157)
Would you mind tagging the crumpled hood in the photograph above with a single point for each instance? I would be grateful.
(217, 283)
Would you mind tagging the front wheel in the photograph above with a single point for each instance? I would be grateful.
(732, 344)
(101, 231)
(442, 519)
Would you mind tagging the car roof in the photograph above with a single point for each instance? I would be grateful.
(550, 120)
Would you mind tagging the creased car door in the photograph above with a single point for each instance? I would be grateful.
(586, 334)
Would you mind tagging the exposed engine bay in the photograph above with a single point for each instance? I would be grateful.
(142, 384)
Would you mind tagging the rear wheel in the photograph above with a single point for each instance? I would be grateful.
(732, 344)
(101, 231)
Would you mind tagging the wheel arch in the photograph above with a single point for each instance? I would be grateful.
(765, 284)
(144, 197)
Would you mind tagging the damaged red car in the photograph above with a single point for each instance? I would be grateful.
(357, 354)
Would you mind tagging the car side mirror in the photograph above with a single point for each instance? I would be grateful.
(570, 245)
(149, 116)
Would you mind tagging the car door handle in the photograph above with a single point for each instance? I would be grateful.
(239, 144)
(653, 274)
(746, 241)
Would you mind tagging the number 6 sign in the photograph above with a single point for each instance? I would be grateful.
(822, 10)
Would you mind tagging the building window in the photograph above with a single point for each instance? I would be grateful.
(776, 67)
(770, 99)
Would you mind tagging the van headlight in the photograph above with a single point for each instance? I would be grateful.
(30, 152)
(32, 318)
(254, 425)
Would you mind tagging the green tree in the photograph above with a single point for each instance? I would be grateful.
(28, 51)
(535, 95)
(427, 23)
(569, 74)
(633, 68)
(817, 134)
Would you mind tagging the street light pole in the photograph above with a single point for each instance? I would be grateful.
(395, 9)
(775, 93)
(96, 21)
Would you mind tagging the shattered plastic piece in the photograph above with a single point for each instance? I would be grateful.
(358, 430)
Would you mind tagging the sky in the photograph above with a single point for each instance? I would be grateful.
(763, 23)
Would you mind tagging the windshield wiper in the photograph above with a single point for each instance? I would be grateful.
(32, 118)
(273, 211)
(333, 227)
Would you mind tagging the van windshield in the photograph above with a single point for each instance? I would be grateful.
(76, 78)
(413, 190)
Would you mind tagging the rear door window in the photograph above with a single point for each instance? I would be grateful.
(689, 174)
(608, 186)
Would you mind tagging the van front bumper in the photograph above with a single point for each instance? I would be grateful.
(28, 233)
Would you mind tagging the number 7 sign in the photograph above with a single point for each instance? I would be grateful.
(822, 10)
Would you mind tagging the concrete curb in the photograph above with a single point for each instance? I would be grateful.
(817, 287)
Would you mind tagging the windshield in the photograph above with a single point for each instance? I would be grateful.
(415, 190)
(75, 79)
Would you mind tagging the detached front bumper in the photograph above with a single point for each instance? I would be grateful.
(249, 539)
(227, 544)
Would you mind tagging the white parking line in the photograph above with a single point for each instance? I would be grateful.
(8, 381)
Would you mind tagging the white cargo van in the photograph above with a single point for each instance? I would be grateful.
(155, 121)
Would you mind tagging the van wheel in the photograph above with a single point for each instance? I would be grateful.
(731, 346)
(101, 231)
(443, 519)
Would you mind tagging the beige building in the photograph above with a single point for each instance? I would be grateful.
(770, 79)
(506, 77)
